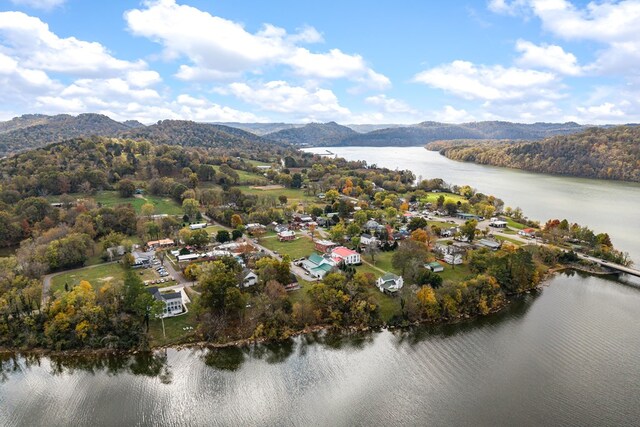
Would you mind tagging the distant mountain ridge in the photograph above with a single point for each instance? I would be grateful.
(260, 129)
(38, 130)
(425, 132)
(329, 133)
(333, 134)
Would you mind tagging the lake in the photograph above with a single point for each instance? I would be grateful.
(604, 206)
(565, 356)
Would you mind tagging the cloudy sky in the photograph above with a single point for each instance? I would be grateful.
(356, 61)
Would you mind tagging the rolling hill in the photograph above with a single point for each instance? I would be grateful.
(37, 130)
(192, 134)
(313, 134)
(603, 153)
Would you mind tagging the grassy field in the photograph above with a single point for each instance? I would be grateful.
(388, 305)
(293, 194)
(247, 177)
(511, 223)
(459, 273)
(163, 205)
(174, 329)
(256, 162)
(96, 275)
(433, 197)
(213, 229)
(506, 239)
(383, 261)
(301, 247)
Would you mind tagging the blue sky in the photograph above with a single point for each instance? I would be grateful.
(349, 61)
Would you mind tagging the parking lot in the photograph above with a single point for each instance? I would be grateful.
(160, 275)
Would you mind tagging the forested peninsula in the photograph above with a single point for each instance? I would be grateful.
(612, 153)
(130, 244)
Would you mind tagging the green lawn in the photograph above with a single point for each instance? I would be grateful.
(256, 162)
(506, 239)
(433, 197)
(293, 194)
(383, 261)
(213, 229)
(174, 329)
(440, 224)
(164, 205)
(247, 177)
(389, 306)
(301, 247)
(458, 273)
(96, 275)
(511, 223)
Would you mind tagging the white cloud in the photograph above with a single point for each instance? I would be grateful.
(602, 113)
(507, 7)
(489, 83)
(218, 48)
(450, 114)
(306, 104)
(39, 4)
(389, 105)
(551, 57)
(613, 24)
(203, 110)
(30, 42)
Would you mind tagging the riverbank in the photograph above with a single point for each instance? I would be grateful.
(345, 331)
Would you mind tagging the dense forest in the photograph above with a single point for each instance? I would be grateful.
(612, 153)
(36, 130)
(191, 134)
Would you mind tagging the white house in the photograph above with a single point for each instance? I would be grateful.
(172, 301)
(453, 259)
(346, 255)
(389, 283)
(249, 278)
(367, 239)
(198, 226)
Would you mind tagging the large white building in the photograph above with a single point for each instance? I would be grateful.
(346, 255)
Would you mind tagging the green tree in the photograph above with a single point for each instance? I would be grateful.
(222, 236)
(126, 188)
(215, 278)
(190, 207)
(468, 230)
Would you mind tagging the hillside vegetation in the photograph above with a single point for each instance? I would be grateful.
(314, 133)
(426, 132)
(37, 130)
(612, 153)
(333, 134)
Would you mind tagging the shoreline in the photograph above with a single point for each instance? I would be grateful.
(344, 331)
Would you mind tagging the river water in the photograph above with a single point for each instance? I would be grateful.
(605, 206)
(567, 355)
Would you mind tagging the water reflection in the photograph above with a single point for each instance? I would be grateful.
(145, 364)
